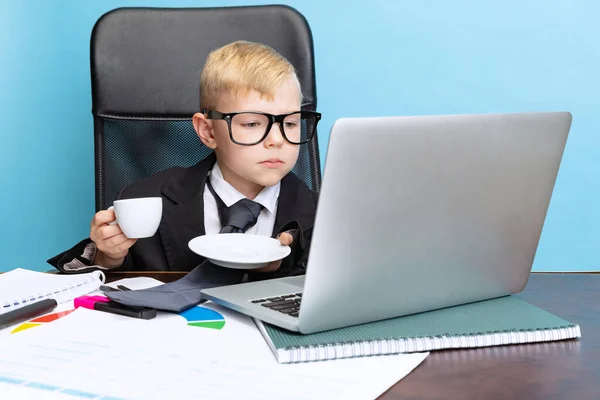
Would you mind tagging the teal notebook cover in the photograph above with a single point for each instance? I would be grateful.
(505, 320)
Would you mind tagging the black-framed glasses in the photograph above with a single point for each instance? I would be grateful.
(250, 128)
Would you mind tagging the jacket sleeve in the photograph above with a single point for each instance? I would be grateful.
(80, 258)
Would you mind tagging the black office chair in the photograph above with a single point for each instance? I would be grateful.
(145, 67)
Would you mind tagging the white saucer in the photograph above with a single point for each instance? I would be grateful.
(239, 250)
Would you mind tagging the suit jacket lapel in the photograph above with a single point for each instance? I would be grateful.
(295, 204)
(183, 217)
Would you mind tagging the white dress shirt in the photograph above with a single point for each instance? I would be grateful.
(267, 197)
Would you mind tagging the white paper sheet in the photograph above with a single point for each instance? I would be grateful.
(20, 287)
(91, 354)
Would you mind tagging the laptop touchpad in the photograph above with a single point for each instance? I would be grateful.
(296, 281)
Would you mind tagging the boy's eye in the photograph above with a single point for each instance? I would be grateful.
(250, 124)
(290, 124)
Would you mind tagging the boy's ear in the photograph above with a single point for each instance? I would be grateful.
(204, 130)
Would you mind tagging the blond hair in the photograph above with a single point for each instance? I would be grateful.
(240, 67)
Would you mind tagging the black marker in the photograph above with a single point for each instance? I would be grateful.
(27, 312)
(128, 311)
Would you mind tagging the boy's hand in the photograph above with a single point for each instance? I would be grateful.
(285, 239)
(110, 241)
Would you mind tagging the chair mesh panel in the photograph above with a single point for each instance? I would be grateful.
(128, 150)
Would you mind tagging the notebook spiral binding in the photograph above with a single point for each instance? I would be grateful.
(66, 292)
(421, 344)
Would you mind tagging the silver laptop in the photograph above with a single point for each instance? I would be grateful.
(416, 214)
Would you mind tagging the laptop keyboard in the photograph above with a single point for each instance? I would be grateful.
(287, 304)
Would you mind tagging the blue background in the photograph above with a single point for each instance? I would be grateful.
(375, 58)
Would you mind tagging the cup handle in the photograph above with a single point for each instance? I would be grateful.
(115, 221)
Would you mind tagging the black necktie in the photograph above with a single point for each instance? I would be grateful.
(239, 217)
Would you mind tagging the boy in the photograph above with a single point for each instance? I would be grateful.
(250, 102)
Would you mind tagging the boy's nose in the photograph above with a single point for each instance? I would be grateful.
(275, 136)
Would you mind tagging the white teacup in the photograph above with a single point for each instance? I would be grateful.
(138, 218)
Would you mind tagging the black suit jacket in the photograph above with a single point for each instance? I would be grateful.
(182, 192)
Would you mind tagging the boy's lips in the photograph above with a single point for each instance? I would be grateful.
(272, 163)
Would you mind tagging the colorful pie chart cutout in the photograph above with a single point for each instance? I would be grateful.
(41, 320)
(197, 316)
(203, 317)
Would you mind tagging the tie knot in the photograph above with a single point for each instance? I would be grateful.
(240, 216)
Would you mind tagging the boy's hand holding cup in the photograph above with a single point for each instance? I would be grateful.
(115, 230)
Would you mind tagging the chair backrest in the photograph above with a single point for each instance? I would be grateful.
(145, 70)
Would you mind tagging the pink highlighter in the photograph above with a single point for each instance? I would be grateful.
(101, 303)
(89, 301)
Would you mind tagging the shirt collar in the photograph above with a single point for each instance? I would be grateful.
(267, 197)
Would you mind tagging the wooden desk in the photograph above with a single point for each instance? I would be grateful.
(555, 370)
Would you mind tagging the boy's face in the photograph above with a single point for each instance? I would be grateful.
(249, 168)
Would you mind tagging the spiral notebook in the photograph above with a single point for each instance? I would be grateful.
(502, 321)
(20, 287)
